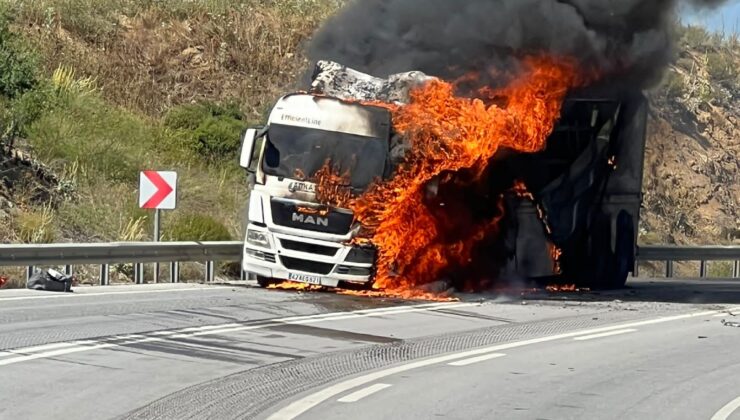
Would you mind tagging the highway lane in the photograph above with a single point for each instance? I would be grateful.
(190, 351)
(683, 369)
(115, 349)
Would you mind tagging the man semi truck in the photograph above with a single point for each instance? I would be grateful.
(586, 184)
(290, 235)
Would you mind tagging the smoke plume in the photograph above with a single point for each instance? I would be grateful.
(624, 40)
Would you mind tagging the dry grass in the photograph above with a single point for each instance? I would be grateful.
(149, 56)
(116, 66)
(16, 277)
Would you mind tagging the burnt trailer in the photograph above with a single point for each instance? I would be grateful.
(582, 203)
(587, 190)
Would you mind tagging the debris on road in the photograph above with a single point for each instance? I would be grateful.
(50, 280)
(727, 323)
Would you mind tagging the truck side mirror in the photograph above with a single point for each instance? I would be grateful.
(248, 143)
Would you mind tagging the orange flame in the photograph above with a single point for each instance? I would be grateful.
(400, 294)
(555, 288)
(449, 134)
(289, 285)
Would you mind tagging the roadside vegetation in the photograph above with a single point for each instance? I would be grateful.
(100, 89)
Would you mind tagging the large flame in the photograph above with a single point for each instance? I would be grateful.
(450, 134)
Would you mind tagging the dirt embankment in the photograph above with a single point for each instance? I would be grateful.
(692, 163)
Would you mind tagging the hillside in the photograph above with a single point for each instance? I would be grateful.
(94, 91)
(691, 185)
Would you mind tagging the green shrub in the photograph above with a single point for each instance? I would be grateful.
(195, 227)
(674, 85)
(695, 36)
(105, 139)
(18, 63)
(721, 67)
(36, 227)
(210, 130)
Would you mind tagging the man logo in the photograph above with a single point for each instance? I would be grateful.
(311, 220)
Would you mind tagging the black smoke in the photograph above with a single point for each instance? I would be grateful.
(626, 40)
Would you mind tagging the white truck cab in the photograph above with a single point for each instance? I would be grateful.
(290, 235)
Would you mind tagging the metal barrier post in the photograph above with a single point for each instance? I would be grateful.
(736, 270)
(636, 269)
(703, 269)
(68, 270)
(174, 272)
(669, 269)
(29, 272)
(209, 271)
(104, 274)
(139, 273)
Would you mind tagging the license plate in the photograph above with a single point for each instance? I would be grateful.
(304, 278)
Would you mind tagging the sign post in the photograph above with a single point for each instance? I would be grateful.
(157, 191)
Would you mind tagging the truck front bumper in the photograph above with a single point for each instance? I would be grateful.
(306, 260)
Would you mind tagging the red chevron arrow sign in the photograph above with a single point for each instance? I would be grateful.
(158, 190)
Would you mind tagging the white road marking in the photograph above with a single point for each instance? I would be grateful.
(365, 392)
(59, 349)
(725, 412)
(52, 346)
(606, 334)
(111, 293)
(53, 353)
(472, 360)
(304, 404)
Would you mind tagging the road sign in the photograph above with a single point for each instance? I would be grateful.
(158, 190)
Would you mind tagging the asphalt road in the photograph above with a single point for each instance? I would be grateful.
(658, 350)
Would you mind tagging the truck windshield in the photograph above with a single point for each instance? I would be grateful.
(297, 150)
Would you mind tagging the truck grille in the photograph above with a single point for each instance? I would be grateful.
(310, 248)
(306, 265)
(287, 214)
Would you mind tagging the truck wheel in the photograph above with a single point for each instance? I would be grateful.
(265, 281)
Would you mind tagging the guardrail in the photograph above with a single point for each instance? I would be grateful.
(671, 253)
(138, 253)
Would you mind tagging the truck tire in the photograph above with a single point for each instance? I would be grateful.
(264, 282)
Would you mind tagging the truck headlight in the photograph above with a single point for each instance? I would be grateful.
(257, 238)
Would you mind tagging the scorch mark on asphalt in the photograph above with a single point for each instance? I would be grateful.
(59, 349)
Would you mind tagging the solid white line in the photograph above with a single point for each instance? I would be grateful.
(304, 404)
(365, 392)
(472, 360)
(52, 346)
(53, 353)
(29, 353)
(111, 293)
(725, 412)
(606, 334)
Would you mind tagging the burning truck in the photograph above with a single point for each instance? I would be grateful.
(400, 182)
